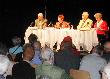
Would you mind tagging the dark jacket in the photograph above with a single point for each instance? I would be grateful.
(23, 70)
(66, 59)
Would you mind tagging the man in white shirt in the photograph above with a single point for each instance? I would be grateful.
(40, 22)
(85, 23)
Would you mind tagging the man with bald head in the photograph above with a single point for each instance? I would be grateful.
(40, 22)
(47, 70)
(85, 23)
(24, 69)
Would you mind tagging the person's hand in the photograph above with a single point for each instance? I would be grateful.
(98, 28)
(34, 65)
(94, 28)
(101, 29)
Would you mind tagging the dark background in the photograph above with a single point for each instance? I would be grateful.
(16, 16)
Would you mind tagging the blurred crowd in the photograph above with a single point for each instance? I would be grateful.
(32, 61)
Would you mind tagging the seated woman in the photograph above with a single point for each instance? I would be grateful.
(61, 23)
(24, 69)
(37, 59)
(16, 50)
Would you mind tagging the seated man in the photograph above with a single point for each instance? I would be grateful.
(17, 48)
(32, 38)
(93, 63)
(61, 23)
(85, 23)
(23, 69)
(48, 70)
(40, 22)
(50, 53)
(67, 57)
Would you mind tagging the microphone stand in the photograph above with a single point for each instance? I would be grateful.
(45, 8)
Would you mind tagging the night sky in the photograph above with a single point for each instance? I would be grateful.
(16, 15)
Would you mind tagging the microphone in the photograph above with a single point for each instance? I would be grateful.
(50, 24)
(71, 26)
(31, 24)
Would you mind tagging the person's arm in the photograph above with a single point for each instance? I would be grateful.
(103, 65)
(103, 27)
(95, 25)
(57, 25)
(35, 23)
(80, 24)
(68, 25)
(45, 23)
(34, 65)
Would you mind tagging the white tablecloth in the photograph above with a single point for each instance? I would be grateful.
(86, 39)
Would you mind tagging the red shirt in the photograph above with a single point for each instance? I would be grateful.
(103, 26)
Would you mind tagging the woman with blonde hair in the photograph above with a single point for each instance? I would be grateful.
(101, 28)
